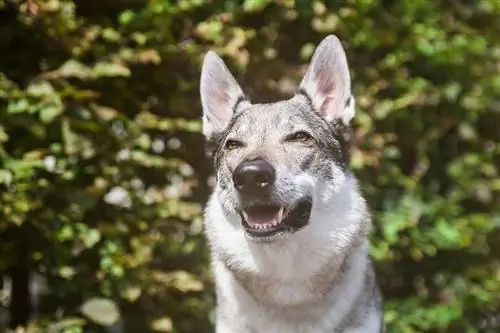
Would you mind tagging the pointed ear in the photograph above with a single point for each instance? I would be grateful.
(327, 82)
(220, 94)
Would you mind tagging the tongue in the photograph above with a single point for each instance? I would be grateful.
(262, 216)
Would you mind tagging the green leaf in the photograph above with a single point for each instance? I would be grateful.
(67, 272)
(101, 311)
(65, 324)
(449, 235)
(163, 324)
(19, 106)
(91, 237)
(255, 5)
(50, 112)
(126, 17)
(40, 88)
(6, 177)
(110, 69)
(185, 281)
(73, 68)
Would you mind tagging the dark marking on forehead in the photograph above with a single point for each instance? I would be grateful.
(308, 98)
(259, 119)
(215, 142)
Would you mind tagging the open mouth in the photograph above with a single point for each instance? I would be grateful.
(269, 220)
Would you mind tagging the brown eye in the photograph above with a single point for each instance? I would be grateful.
(232, 144)
(299, 137)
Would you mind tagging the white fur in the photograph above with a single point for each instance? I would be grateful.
(371, 324)
(289, 264)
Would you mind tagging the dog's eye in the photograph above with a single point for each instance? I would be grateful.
(232, 144)
(299, 137)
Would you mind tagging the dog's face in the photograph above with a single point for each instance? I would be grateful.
(275, 162)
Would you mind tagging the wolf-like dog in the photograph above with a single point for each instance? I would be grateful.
(286, 223)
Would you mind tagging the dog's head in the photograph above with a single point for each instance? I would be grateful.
(277, 163)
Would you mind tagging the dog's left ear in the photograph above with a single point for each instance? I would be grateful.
(220, 94)
(327, 82)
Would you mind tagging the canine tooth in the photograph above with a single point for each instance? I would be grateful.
(280, 215)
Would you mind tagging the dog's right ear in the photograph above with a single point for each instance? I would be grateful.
(220, 95)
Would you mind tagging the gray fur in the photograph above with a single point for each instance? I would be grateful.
(315, 276)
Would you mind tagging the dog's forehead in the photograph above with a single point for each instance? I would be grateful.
(272, 119)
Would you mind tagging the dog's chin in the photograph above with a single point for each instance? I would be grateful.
(273, 222)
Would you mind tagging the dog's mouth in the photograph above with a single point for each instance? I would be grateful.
(267, 220)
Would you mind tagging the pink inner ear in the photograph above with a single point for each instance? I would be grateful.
(220, 104)
(326, 87)
(328, 107)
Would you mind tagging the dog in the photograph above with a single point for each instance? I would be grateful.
(287, 227)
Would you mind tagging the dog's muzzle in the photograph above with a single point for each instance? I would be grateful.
(262, 218)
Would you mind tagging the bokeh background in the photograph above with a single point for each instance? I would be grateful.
(103, 173)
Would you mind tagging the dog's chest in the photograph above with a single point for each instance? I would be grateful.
(255, 300)
(258, 321)
(295, 278)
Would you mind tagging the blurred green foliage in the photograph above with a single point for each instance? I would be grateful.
(103, 173)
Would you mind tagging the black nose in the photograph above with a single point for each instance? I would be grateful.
(253, 176)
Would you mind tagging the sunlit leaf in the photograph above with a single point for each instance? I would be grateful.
(101, 311)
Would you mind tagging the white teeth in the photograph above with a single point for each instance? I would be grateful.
(264, 226)
(280, 215)
(277, 221)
